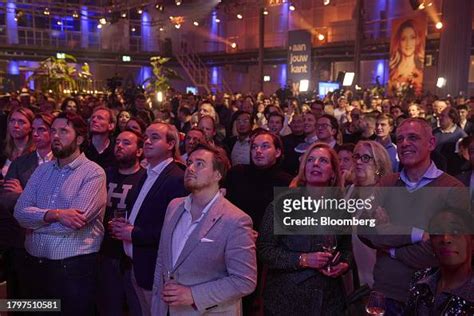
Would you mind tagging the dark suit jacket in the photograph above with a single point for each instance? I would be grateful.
(465, 177)
(149, 221)
(469, 128)
(21, 168)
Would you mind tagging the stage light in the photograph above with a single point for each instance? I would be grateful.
(126, 58)
(140, 11)
(171, 17)
(133, 29)
(162, 29)
(441, 82)
(75, 15)
(266, 78)
(196, 23)
(177, 26)
(124, 15)
(326, 2)
(265, 12)
(160, 7)
(159, 96)
(292, 7)
(46, 11)
(304, 85)
(348, 79)
(239, 16)
(59, 22)
(178, 2)
(439, 25)
(321, 37)
(218, 20)
(99, 26)
(420, 4)
(103, 21)
(233, 45)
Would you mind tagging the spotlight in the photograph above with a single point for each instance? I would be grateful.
(178, 2)
(420, 4)
(326, 2)
(140, 11)
(160, 7)
(441, 82)
(124, 15)
(59, 22)
(46, 11)
(162, 29)
(439, 25)
(196, 23)
(266, 78)
(321, 37)
(99, 26)
(133, 29)
(239, 16)
(177, 26)
(304, 85)
(265, 12)
(75, 15)
(292, 7)
(233, 45)
(171, 17)
(218, 20)
(103, 21)
(348, 79)
(159, 96)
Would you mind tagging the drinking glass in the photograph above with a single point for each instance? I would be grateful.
(120, 213)
(376, 304)
(329, 244)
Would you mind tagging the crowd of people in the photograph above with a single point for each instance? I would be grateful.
(119, 205)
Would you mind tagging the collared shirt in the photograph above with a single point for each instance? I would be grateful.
(393, 154)
(186, 226)
(450, 130)
(430, 174)
(301, 147)
(241, 152)
(80, 185)
(152, 175)
(42, 160)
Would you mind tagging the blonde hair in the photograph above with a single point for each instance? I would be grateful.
(9, 142)
(300, 179)
(383, 164)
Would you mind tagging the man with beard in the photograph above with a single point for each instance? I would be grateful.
(62, 208)
(101, 148)
(140, 233)
(206, 260)
(115, 285)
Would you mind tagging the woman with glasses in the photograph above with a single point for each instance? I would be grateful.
(370, 163)
(301, 278)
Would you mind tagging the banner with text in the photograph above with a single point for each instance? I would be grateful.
(299, 57)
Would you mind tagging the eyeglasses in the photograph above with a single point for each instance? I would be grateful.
(364, 158)
(322, 126)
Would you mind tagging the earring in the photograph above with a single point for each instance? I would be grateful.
(378, 173)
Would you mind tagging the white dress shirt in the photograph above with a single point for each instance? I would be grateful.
(186, 226)
(152, 175)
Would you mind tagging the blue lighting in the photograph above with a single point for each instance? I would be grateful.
(13, 68)
(381, 71)
(213, 43)
(84, 28)
(146, 32)
(12, 26)
(144, 73)
(282, 75)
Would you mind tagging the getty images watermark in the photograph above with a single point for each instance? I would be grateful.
(374, 210)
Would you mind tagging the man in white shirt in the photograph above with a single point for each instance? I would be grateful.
(206, 260)
(163, 183)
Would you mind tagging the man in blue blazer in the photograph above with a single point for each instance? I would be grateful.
(140, 233)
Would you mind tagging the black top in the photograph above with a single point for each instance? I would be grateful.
(106, 159)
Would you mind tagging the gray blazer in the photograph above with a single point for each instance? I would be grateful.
(218, 260)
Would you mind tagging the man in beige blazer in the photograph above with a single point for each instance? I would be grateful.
(206, 258)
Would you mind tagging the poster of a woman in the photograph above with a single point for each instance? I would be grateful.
(407, 54)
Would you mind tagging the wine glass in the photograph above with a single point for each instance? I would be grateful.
(329, 244)
(376, 304)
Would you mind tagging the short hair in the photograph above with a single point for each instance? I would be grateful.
(386, 116)
(453, 114)
(140, 96)
(238, 113)
(277, 142)
(464, 216)
(78, 124)
(209, 118)
(277, 114)
(300, 179)
(140, 139)
(197, 129)
(65, 101)
(185, 110)
(383, 164)
(172, 135)
(318, 102)
(112, 117)
(47, 118)
(220, 162)
(463, 107)
(428, 131)
(346, 147)
(333, 121)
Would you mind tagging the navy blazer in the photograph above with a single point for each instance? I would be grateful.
(149, 221)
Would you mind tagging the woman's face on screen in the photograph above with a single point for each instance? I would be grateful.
(408, 41)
